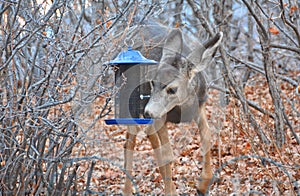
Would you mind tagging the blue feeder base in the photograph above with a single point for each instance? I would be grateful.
(129, 121)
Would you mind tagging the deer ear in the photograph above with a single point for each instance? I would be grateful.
(173, 47)
(199, 61)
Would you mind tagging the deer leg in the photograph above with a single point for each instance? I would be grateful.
(164, 155)
(128, 156)
(166, 161)
(205, 134)
(155, 143)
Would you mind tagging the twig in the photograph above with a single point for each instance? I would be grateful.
(60, 184)
(295, 29)
(293, 49)
(260, 69)
(249, 102)
(87, 189)
(201, 18)
(291, 127)
(259, 23)
(71, 179)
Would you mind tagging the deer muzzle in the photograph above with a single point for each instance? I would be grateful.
(154, 110)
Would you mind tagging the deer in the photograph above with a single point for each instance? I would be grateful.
(178, 94)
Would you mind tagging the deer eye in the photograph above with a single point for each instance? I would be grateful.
(172, 91)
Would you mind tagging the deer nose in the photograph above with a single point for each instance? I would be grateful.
(147, 114)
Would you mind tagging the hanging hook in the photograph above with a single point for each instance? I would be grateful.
(128, 43)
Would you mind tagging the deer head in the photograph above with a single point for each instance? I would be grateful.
(176, 79)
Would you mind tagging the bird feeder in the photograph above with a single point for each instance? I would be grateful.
(133, 89)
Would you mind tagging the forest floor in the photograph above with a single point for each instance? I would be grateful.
(242, 163)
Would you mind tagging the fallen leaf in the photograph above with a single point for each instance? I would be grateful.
(158, 179)
(274, 30)
(98, 21)
(293, 8)
(60, 165)
(108, 24)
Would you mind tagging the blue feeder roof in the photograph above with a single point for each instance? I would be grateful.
(129, 121)
(131, 57)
